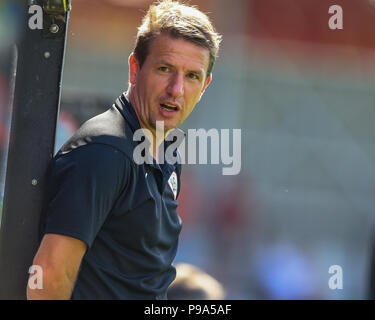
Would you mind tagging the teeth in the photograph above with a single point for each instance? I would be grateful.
(171, 106)
(166, 106)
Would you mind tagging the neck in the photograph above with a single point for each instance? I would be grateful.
(155, 135)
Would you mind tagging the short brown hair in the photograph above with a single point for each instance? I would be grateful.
(178, 21)
(192, 283)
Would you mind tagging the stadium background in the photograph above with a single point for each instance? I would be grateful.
(304, 98)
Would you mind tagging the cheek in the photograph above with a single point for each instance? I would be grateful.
(156, 88)
(194, 97)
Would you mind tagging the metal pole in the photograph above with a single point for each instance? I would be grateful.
(31, 144)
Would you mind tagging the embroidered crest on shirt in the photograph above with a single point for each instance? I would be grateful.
(172, 181)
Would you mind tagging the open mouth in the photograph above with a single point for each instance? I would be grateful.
(169, 107)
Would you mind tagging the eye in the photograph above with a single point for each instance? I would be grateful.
(163, 69)
(193, 76)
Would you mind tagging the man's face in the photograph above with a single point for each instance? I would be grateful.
(170, 82)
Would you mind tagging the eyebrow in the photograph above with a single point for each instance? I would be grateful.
(199, 72)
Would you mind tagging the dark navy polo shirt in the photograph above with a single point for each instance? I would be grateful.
(126, 213)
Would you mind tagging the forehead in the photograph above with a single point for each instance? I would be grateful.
(178, 51)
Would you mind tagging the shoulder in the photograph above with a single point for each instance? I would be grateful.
(96, 155)
(109, 128)
(93, 171)
(92, 163)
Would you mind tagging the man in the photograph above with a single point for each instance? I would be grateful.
(111, 226)
(192, 283)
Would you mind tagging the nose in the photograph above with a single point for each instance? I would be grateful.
(176, 86)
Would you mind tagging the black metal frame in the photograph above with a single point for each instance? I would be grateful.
(31, 146)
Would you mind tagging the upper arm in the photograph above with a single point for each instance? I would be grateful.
(83, 187)
(60, 257)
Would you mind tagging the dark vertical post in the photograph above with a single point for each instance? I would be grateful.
(31, 144)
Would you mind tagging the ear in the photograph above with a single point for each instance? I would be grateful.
(133, 69)
(206, 83)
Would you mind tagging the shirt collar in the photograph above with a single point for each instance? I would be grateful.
(128, 112)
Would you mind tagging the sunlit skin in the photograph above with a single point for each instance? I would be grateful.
(174, 73)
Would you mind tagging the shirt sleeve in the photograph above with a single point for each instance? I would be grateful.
(84, 185)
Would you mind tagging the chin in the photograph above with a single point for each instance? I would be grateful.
(168, 124)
